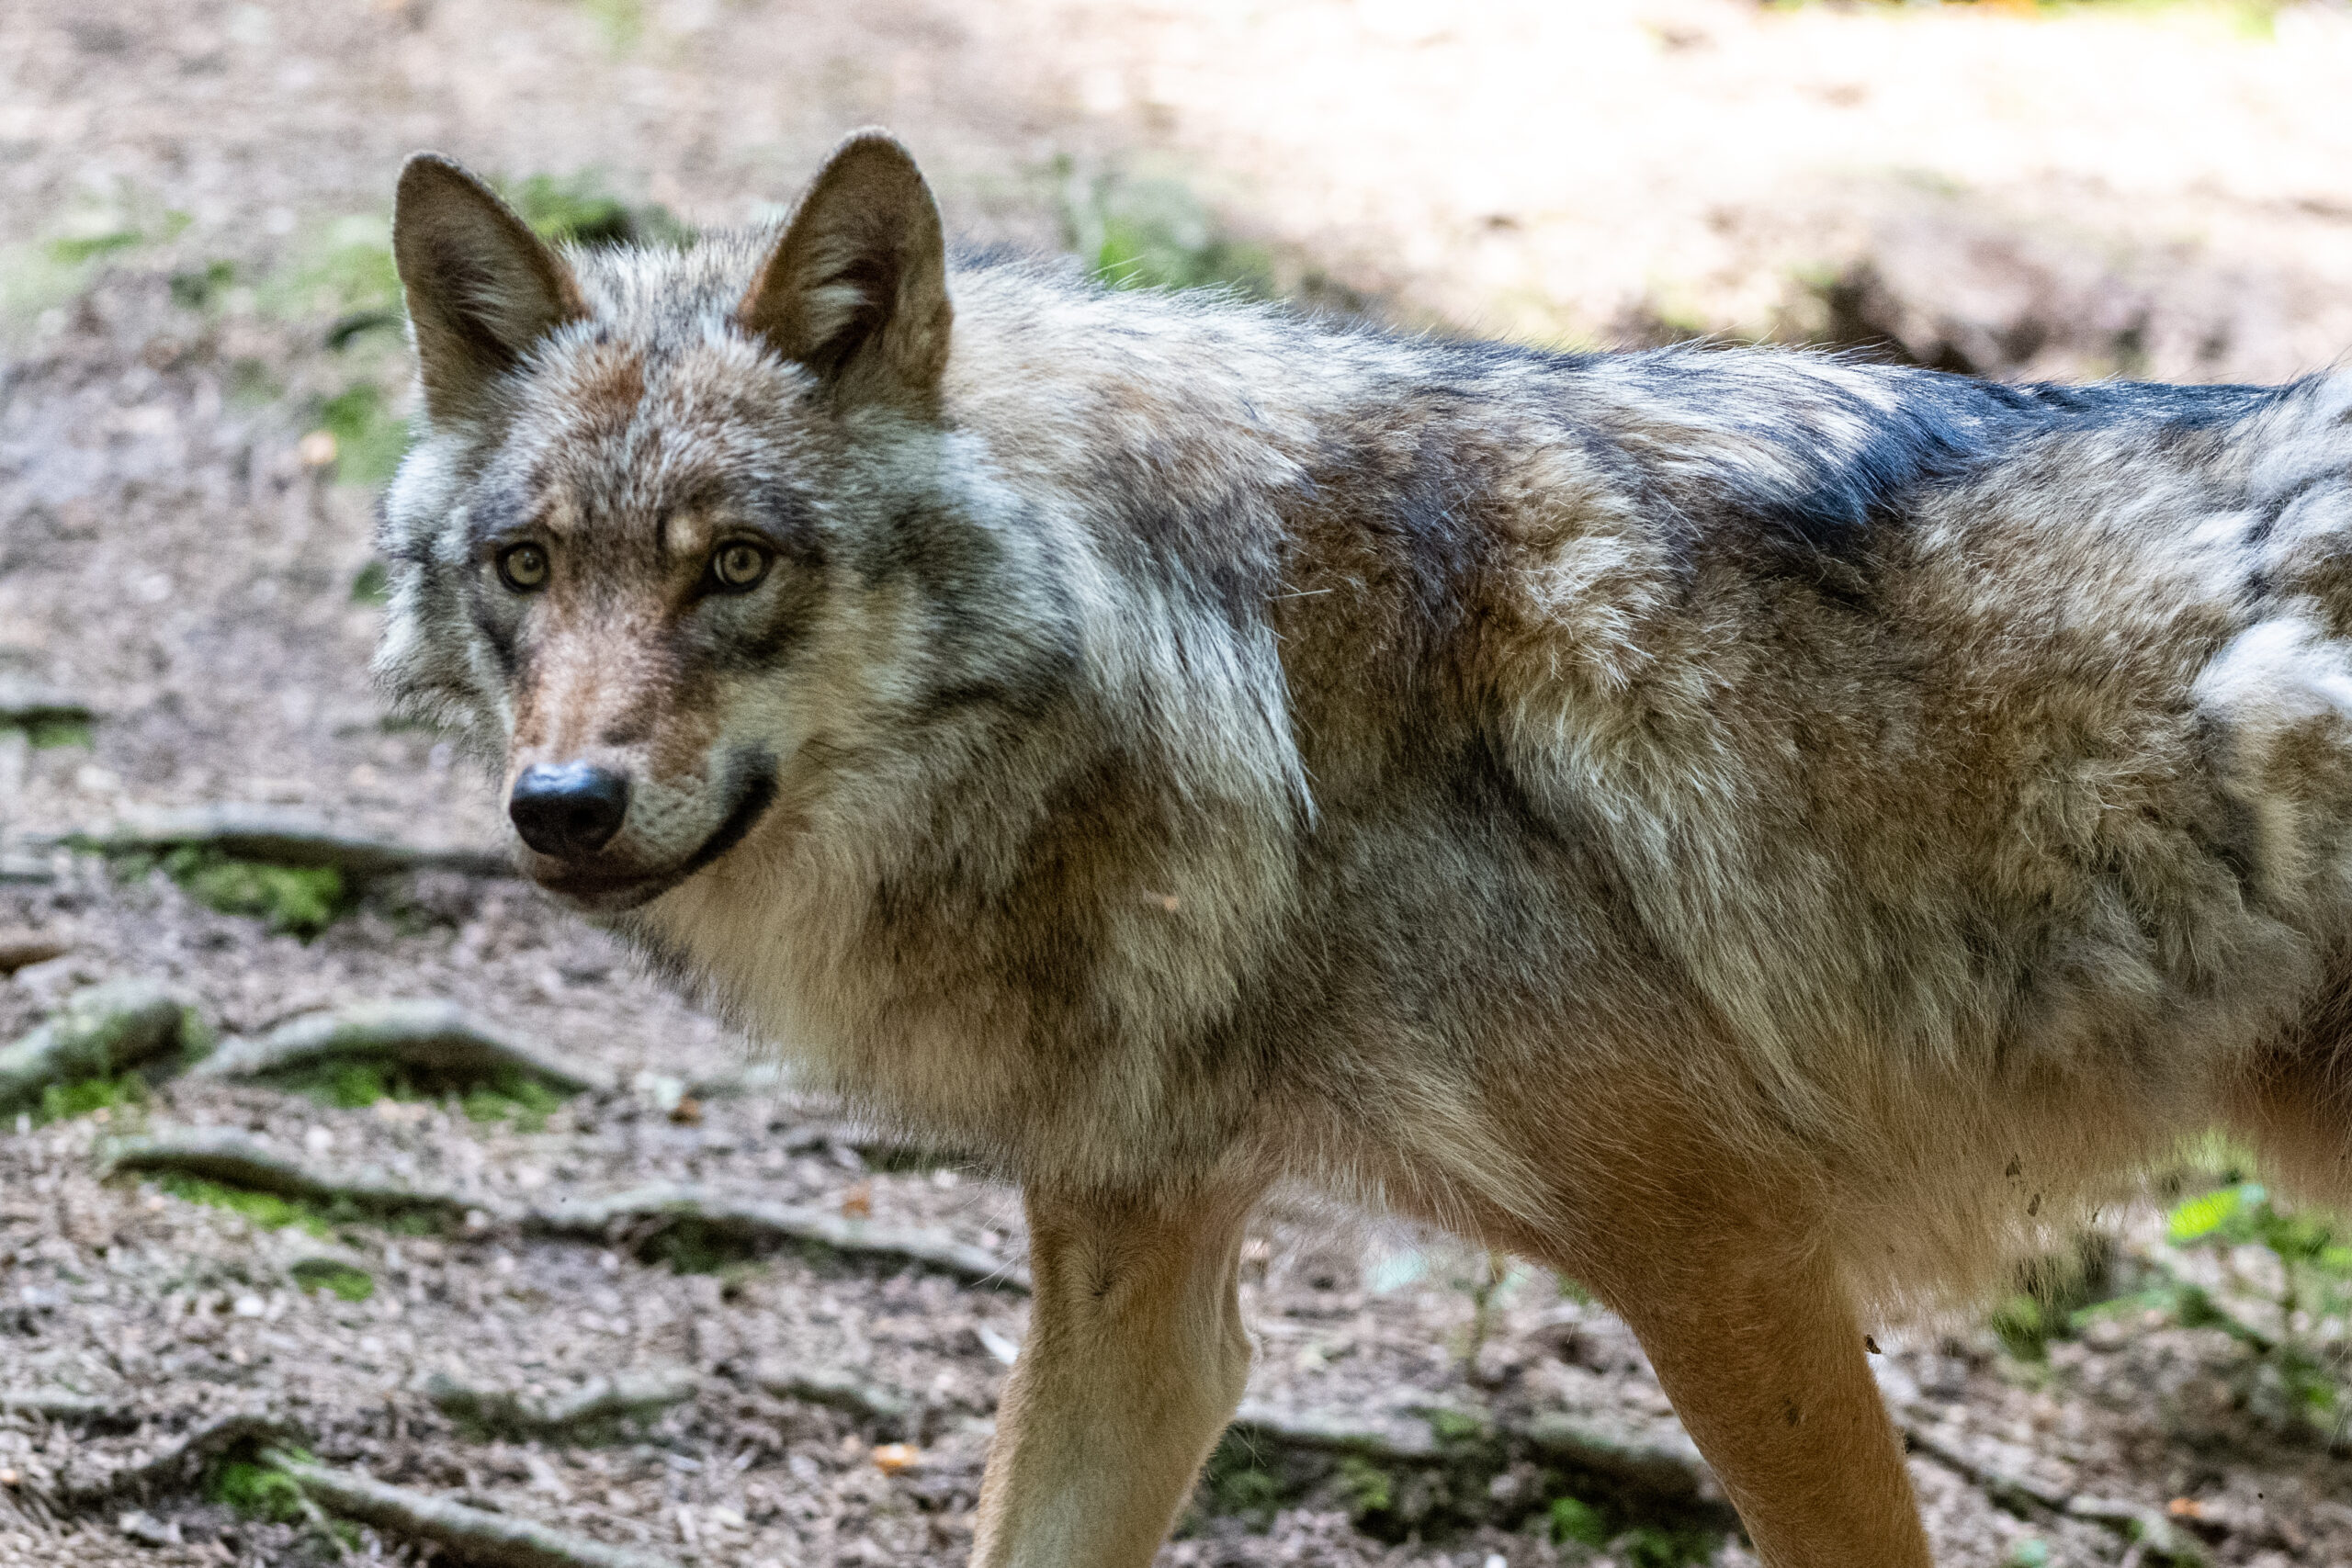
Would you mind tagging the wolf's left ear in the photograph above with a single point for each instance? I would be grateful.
(482, 288)
(857, 286)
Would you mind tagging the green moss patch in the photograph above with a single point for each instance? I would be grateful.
(63, 1101)
(49, 734)
(300, 900)
(340, 1280)
(266, 1210)
(254, 1491)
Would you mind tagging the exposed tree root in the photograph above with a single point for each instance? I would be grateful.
(230, 1158)
(438, 1038)
(1993, 1480)
(1406, 1443)
(64, 1405)
(746, 1222)
(25, 704)
(471, 1535)
(277, 837)
(99, 1031)
(599, 1401)
(841, 1390)
(22, 949)
(182, 1466)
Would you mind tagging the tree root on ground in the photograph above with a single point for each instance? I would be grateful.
(2154, 1535)
(599, 1401)
(180, 1467)
(98, 1032)
(230, 1158)
(26, 703)
(65, 1406)
(21, 949)
(842, 1391)
(470, 1535)
(437, 1038)
(274, 836)
(226, 1156)
(746, 1222)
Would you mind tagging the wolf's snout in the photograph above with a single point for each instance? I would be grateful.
(568, 810)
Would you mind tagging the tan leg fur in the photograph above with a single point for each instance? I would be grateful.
(1134, 1361)
(1765, 1364)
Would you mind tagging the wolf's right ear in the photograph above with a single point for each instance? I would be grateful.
(482, 288)
(855, 288)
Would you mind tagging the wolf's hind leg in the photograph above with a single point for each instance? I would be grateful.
(1134, 1361)
(1757, 1345)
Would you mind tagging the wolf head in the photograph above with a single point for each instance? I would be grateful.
(684, 530)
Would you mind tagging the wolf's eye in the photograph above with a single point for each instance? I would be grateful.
(524, 568)
(739, 566)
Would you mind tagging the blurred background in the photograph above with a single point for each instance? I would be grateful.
(328, 1152)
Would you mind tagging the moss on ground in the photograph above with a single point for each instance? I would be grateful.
(300, 900)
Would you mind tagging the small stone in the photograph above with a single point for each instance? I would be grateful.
(892, 1457)
(251, 1306)
(147, 1530)
(317, 449)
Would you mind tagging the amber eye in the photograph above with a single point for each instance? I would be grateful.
(739, 566)
(524, 568)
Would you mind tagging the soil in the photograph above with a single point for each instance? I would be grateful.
(2164, 191)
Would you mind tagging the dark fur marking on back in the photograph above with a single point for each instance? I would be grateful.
(1942, 429)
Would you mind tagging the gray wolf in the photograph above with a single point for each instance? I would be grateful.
(1772, 835)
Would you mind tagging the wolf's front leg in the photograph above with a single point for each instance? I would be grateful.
(1134, 1363)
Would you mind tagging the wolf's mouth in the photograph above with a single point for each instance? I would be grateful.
(605, 893)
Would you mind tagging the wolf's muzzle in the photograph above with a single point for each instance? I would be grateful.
(569, 810)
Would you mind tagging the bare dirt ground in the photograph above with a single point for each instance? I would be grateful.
(191, 282)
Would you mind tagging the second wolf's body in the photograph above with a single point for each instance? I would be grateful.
(1632, 808)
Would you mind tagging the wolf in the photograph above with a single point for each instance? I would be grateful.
(1772, 835)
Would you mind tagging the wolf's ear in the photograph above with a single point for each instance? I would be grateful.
(855, 288)
(482, 288)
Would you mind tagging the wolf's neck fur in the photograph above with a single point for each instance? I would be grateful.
(979, 873)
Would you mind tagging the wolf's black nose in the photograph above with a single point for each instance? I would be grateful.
(569, 809)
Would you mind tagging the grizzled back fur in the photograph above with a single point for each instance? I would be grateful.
(1167, 737)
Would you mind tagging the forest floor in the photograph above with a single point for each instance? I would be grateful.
(193, 286)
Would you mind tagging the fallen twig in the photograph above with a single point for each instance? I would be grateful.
(750, 1223)
(230, 1158)
(471, 1535)
(431, 1036)
(275, 836)
(98, 1032)
(599, 1400)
